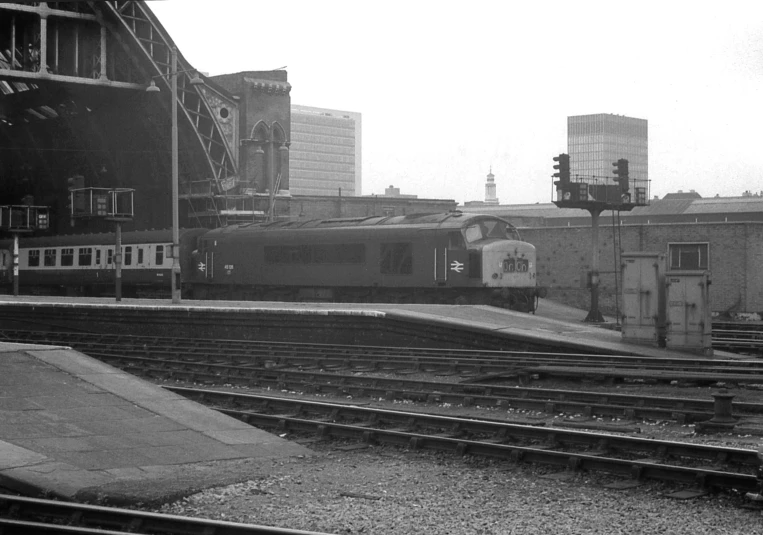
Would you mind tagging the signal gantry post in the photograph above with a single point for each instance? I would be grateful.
(111, 204)
(22, 219)
(596, 194)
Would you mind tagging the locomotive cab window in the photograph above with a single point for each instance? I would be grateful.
(489, 229)
(396, 259)
(33, 258)
(67, 256)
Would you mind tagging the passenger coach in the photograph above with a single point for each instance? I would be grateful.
(84, 264)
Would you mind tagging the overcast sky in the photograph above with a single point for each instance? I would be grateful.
(448, 89)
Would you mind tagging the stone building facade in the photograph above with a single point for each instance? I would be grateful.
(264, 122)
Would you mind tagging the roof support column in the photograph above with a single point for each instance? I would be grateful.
(43, 44)
(104, 77)
(13, 41)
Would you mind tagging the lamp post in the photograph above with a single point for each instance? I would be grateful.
(173, 74)
(175, 278)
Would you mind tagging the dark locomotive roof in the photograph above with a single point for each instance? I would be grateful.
(453, 219)
(427, 221)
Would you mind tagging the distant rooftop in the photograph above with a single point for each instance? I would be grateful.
(683, 195)
(672, 208)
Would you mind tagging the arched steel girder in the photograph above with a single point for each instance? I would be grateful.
(139, 22)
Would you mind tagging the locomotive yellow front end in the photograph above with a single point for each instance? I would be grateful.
(509, 267)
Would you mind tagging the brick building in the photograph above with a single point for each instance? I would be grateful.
(734, 259)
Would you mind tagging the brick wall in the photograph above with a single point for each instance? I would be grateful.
(736, 258)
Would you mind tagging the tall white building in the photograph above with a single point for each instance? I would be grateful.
(595, 142)
(325, 152)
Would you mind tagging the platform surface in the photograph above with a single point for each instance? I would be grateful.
(552, 322)
(75, 428)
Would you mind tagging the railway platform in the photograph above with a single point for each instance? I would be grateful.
(74, 428)
(554, 325)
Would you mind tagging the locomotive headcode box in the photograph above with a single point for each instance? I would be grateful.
(689, 324)
(643, 298)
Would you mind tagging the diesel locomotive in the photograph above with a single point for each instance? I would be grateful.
(449, 258)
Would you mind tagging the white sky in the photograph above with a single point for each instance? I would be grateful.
(447, 89)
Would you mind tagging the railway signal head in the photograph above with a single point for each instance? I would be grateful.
(621, 170)
(563, 168)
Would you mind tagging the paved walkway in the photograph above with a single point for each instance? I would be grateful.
(75, 428)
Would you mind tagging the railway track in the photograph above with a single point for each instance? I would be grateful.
(365, 358)
(705, 467)
(25, 516)
(738, 337)
(298, 368)
(552, 401)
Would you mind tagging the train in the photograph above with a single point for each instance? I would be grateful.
(443, 258)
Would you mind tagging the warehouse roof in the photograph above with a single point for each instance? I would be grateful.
(671, 206)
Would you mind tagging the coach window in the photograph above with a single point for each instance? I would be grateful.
(33, 259)
(67, 257)
(140, 255)
(396, 259)
(109, 256)
(159, 257)
(50, 257)
(85, 256)
(688, 256)
(128, 256)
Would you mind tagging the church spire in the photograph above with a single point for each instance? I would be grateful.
(490, 194)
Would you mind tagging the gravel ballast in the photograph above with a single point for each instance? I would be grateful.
(382, 489)
(345, 488)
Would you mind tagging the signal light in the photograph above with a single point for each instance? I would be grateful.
(563, 173)
(621, 170)
(42, 220)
